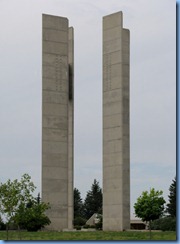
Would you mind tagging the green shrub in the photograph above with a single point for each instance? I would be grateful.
(79, 221)
(86, 226)
(164, 224)
(2, 225)
(77, 227)
(33, 218)
(92, 226)
(98, 225)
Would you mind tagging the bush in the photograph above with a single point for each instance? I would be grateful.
(98, 225)
(2, 225)
(77, 227)
(36, 224)
(79, 221)
(33, 218)
(86, 226)
(92, 226)
(164, 224)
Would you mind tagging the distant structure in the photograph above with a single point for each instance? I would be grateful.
(116, 152)
(57, 120)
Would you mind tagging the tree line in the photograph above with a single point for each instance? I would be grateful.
(20, 207)
(150, 207)
(83, 210)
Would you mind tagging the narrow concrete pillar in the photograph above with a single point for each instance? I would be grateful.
(71, 128)
(116, 149)
(57, 121)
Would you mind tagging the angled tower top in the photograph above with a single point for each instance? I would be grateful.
(113, 20)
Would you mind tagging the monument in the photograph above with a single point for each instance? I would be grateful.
(57, 120)
(116, 153)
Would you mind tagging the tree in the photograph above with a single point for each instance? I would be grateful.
(18, 205)
(149, 206)
(93, 200)
(33, 217)
(171, 206)
(14, 194)
(78, 204)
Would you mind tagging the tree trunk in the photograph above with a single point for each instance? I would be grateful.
(7, 231)
(150, 233)
(19, 231)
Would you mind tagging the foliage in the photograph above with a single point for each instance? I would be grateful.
(18, 206)
(164, 224)
(93, 200)
(86, 226)
(149, 206)
(78, 204)
(98, 225)
(92, 227)
(2, 224)
(32, 217)
(171, 206)
(9, 198)
(14, 194)
(77, 227)
(79, 221)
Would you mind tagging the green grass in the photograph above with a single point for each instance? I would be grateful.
(91, 235)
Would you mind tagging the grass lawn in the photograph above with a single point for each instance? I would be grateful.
(91, 235)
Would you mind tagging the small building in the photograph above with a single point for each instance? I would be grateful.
(94, 219)
(137, 224)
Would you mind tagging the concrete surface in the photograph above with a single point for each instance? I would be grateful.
(116, 151)
(57, 121)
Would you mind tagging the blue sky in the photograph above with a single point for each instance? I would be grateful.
(152, 25)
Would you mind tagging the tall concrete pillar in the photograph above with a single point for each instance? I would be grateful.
(71, 128)
(57, 121)
(116, 148)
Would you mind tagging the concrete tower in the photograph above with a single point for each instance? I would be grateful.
(57, 120)
(116, 152)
